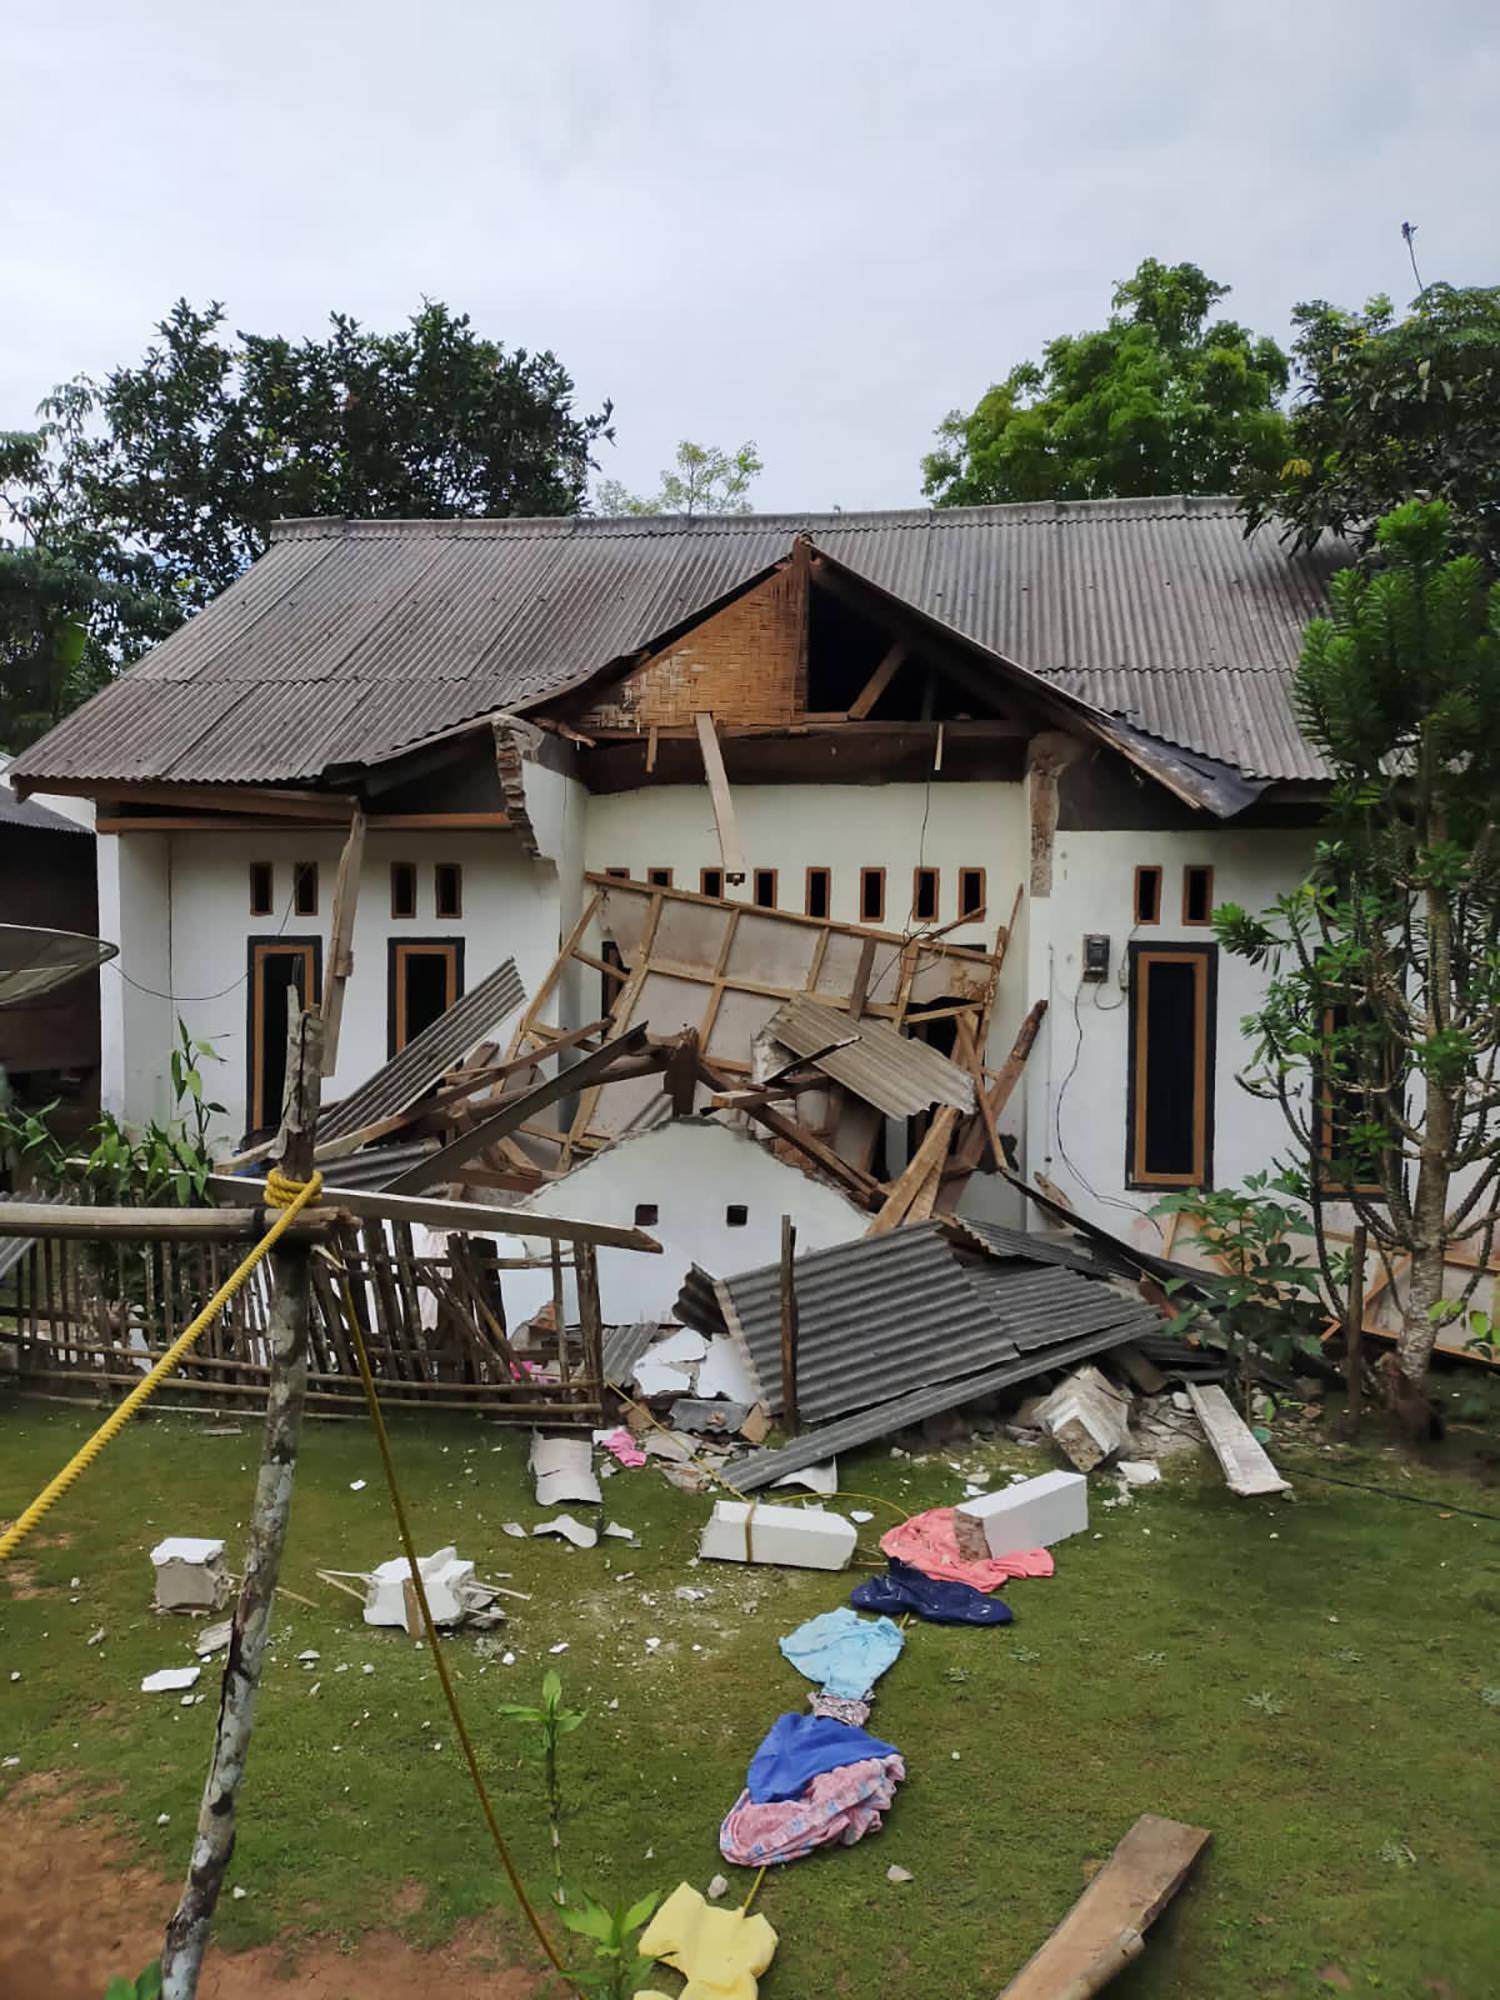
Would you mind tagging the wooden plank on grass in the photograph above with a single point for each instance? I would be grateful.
(1247, 1469)
(1105, 1929)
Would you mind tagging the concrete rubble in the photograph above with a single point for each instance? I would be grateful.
(190, 1573)
(455, 1596)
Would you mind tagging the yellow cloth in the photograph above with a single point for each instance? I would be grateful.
(721, 1953)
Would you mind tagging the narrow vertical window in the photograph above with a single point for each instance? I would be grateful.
(659, 878)
(1171, 1065)
(1197, 895)
(262, 891)
(448, 889)
(819, 891)
(285, 974)
(971, 892)
(924, 895)
(403, 889)
(871, 895)
(765, 888)
(711, 882)
(305, 888)
(425, 980)
(1148, 895)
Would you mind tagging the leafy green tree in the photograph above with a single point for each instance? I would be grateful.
(1392, 409)
(1162, 400)
(704, 480)
(1379, 1034)
(142, 497)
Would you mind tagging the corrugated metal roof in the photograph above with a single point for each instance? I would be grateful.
(896, 1074)
(425, 1058)
(350, 640)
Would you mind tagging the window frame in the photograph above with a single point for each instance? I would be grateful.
(977, 914)
(659, 878)
(400, 916)
(257, 951)
(1153, 870)
(1190, 869)
(866, 877)
(825, 876)
(1205, 1012)
(268, 908)
(398, 951)
(304, 872)
(1330, 1188)
(703, 888)
(454, 870)
(937, 894)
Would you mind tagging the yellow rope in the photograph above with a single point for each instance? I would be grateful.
(290, 1197)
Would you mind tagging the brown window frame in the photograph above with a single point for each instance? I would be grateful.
(705, 890)
(268, 907)
(1147, 871)
(618, 874)
(303, 874)
(1205, 958)
(937, 895)
(399, 950)
(771, 875)
(867, 876)
(825, 876)
(453, 871)
(260, 950)
(406, 870)
(659, 878)
(1189, 871)
(976, 914)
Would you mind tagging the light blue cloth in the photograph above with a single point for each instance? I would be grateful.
(844, 1653)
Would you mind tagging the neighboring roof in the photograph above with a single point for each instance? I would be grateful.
(348, 641)
(896, 1074)
(36, 818)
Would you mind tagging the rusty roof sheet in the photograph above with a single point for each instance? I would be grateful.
(896, 1074)
(350, 640)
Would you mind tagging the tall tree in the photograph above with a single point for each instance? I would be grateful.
(703, 480)
(1390, 409)
(1380, 1031)
(141, 497)
(1161, 400)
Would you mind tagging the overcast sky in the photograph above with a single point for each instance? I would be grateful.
(818, 225)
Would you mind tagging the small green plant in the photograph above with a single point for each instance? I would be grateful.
(146, 1986)
(1261, 1296)
(1266, 1702)
(552, 1723)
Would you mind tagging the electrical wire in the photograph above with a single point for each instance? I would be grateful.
(1111, 1201)
(197, 999)
(1384, 1492)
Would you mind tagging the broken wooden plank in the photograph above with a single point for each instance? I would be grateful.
(341, 938)
(1006, 1078)
(1247, 1469)
(731, 853)
(860, 1185)
(1105, 1929)
(931, 1153)
(878, 682)
(461, 1217)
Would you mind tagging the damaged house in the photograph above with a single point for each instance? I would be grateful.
(876, 851)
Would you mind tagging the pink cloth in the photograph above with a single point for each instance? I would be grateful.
(839, 1806)
(621, 1445)
(928, 1543)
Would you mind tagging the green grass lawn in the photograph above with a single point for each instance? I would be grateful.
(1315, 1682)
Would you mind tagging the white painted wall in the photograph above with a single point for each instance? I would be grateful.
(691, 1170)
(1076, 1078)
(135, 1025)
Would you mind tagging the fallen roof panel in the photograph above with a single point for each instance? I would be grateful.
(897, 1074)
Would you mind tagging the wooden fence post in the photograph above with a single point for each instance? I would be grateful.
(291, 1261)
(1354, 1327)
(788, 1328)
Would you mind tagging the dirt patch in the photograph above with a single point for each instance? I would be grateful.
(20, 1580)
(71, 1915)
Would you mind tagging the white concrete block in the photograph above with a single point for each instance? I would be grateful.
(190, 1574)
(799, 1537)
(1033, 1515)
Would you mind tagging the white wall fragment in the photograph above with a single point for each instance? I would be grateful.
(1033, 1515)
(800, 1537)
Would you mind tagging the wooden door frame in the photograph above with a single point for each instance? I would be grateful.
(1205, 1015)
(258, 950)
(397, 950)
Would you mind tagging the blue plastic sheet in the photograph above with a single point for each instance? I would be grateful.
(940, 1602)
(842, 1652)
(797, 1748)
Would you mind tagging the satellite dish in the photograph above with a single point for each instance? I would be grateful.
(34, 962)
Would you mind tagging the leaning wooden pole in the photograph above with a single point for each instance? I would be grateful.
(213, 1842)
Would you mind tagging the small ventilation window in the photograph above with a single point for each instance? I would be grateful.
(765, 888)
(646, 1214)
(736, 1215)
(711, 882)
(262, 892)
(659, 878)
(618, 874)
(924, 895)
(448, 889)
(871, 895)
(305, 888)
(1197, 895)
(971, 895)
(403, 889)
(819, 891)
(1148, 895)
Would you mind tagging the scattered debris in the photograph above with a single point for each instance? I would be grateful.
(570, 1530)
(620, 1534)
(1032, 1515)
(455, 1596)
(1247, 1469)
(213, 1639)
(822, 1479)
(166, 1680)
(190, 1573)
(1138, 1471)
(1087, 1417)
(718, 1887)
(691, 1413)
(563, 1470)
(621, 1446)
(513, 1528)
(800, 1537)
(357, 1485)
(896, 1873)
